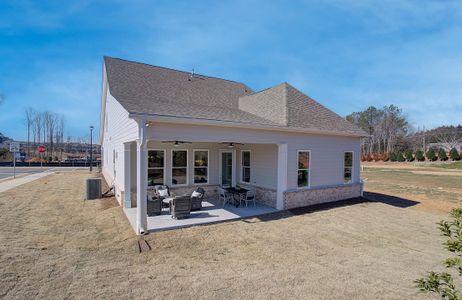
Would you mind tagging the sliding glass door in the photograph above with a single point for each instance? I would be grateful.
(227, 168)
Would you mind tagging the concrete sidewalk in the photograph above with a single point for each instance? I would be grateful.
(9, 184)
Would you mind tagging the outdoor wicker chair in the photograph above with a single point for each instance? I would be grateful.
(162, 192)
(196, 198)
(154, 207)
(180, 207)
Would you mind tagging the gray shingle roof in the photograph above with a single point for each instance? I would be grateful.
(152, 90)
(302, 111)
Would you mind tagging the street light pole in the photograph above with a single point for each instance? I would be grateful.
(91, 148)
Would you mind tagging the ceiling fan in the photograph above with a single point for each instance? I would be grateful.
(176, 143)
(231, 145)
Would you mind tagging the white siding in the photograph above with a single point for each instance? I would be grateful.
(263, 170)
(326, 150)
(263, 164)
(326, 160)
(120, 129)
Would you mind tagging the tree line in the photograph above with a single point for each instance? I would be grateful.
(45, 128)
(391, 137)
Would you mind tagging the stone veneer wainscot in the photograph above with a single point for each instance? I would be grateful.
(263, 195)
(316, 195)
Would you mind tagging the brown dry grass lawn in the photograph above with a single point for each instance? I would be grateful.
(55, 245)
(434, 188)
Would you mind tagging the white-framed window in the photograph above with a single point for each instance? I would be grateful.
(348, 167)
(245, 166)
(179, 167)
(304, 164)
(201, 166)
(156, 167)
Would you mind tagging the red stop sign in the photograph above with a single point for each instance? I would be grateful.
(41, 149)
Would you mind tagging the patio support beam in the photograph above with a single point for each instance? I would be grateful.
(141, 178)
(282, 175)
(127, 176)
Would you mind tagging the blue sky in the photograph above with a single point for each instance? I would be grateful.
(348, 54)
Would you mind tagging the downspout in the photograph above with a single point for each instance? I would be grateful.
(141, 165)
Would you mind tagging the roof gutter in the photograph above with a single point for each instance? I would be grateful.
(211, 122)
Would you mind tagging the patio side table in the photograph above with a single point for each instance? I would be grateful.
(168, 201)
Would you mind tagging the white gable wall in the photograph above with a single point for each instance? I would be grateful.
(120, 129)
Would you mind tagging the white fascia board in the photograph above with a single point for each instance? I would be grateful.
(209, 122)
(104, 91)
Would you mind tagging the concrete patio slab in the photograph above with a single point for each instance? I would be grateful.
(211, 212)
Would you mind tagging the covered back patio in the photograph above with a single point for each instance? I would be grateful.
(207, 162)
(212, 212)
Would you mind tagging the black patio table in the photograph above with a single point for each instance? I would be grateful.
(236, 191)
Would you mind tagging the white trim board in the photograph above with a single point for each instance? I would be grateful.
(212, 122)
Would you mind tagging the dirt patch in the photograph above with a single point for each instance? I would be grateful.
(420, 202)
(107, 203)
(442, 191)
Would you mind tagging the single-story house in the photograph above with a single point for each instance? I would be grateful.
(164, 126)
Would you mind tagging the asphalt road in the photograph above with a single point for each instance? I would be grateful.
(8, 171)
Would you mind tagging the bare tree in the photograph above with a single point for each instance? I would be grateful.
(49, 123)
(59, 135)
(448, 139)
(29, 115)
(386, 127)
(68, 142)
(39, 126)
(62, 124)
(48, 129)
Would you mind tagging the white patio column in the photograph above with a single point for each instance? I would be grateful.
(282, 175)
(127, 176)
(141, 178)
